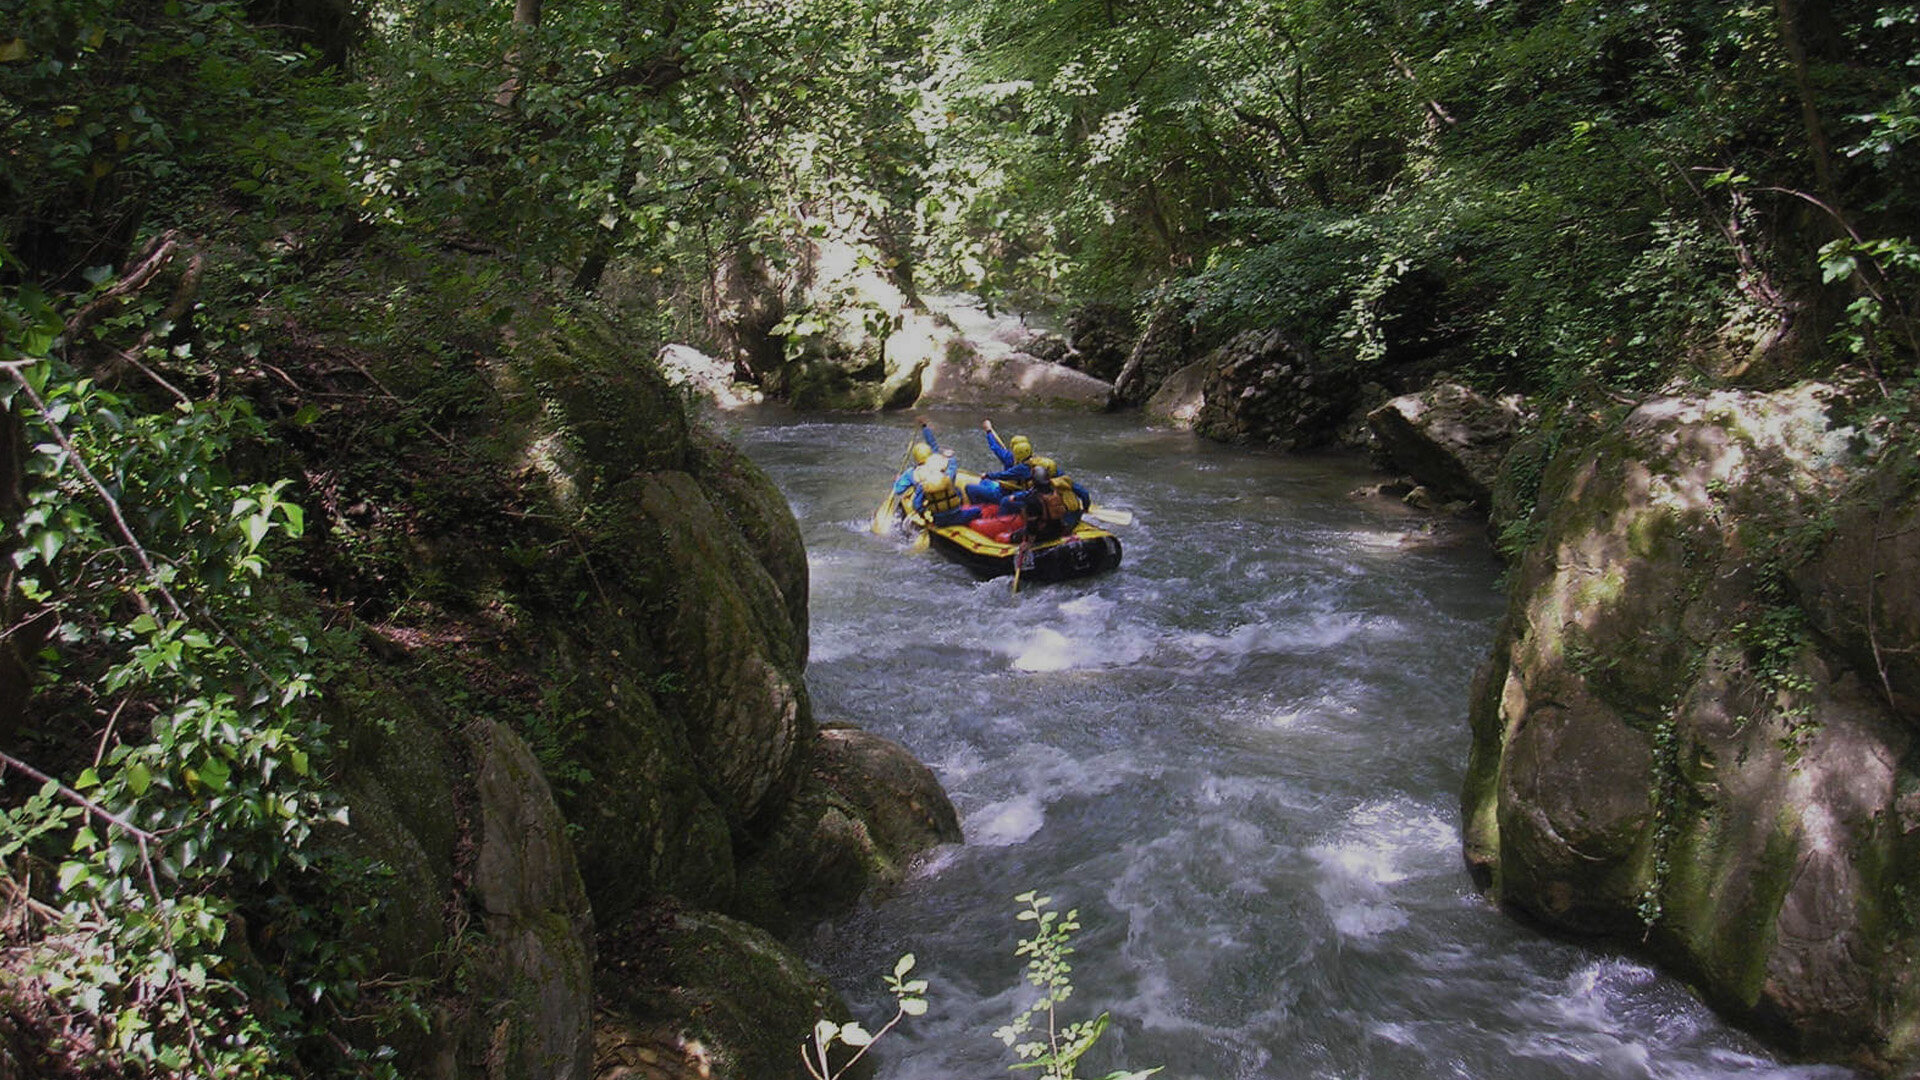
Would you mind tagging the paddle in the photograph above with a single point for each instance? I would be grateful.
(1109, 515)
(882, 526)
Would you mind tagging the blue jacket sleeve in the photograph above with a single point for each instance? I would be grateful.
(904, 482)
(926, 436)
(999, 450)
(1086, 497)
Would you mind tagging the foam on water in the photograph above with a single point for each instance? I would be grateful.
(1239, 755)
(1007, 822)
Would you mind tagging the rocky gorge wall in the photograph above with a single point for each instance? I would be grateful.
(1696, 729)
(581, 758)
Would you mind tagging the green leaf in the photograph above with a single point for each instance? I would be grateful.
(138, 778)
(73, 873)
(214, 773)
(855, 1035)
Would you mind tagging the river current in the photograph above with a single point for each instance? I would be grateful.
(1238, 756)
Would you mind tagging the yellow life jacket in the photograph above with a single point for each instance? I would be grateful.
(937, 491)
(1070, 500)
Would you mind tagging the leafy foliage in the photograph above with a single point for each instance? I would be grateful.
(145, 562)
(1056, 1050)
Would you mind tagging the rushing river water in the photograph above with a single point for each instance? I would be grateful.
(1239, 756)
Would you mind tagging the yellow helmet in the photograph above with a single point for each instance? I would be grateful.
(1052, 467)
(1022, 449)
(921, 452)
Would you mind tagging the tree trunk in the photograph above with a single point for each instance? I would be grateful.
(1792, 36)
(526, 18)
(22, 626)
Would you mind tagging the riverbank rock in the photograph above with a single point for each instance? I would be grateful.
(1450, 439)
(700, 996)
(463, 824)
(1165, 345)
(712, 380)
(867, 809)
(981, 379)
(598, 613)
(1100, 337)
(1261, 387)
(1677, 740)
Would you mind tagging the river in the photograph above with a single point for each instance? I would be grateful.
(1238, 756)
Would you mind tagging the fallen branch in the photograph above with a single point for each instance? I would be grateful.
(150, 263)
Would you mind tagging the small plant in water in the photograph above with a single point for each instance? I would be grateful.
(1058, 1048)
(1054, 1051)
(908, 1000)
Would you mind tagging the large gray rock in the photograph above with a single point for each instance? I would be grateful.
(1859, 587)
(1181, 397)
(1449, 438)
(527, 887)
(1260, 387)
(865, 812)
(708, 378)
(1664, 749)
(486, 841)
(968, 377)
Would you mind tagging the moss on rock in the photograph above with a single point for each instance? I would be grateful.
(1658, 737)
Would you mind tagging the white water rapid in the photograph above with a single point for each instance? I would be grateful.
(1239, 756)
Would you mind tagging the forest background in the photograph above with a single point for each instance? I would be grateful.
(1571, 200)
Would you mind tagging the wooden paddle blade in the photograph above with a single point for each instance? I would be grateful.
(1109, 515)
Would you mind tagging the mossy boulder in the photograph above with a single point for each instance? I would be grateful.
(1261, 387)
(1665, 749)
(599, 613)
(1449, 438)
(867, 809)
(704, 995)
(470, 870)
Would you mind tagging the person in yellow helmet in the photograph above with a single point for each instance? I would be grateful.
(1015, 472)
(937, 494)
(1069, 500)
(922, 449)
